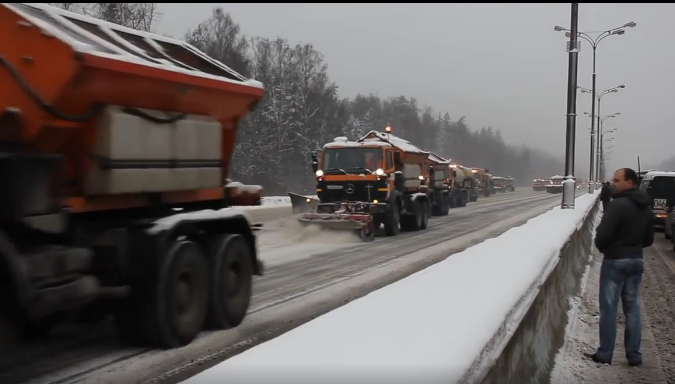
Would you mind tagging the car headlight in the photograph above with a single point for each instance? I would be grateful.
(319, 173)
(379, 172)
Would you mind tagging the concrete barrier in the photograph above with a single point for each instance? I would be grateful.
(532, 347)
(493, 313)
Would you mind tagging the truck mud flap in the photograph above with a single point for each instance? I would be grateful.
(303, 204)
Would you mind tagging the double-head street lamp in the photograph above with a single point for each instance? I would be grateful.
(605, 137)
(594, 153)
(601, 125)
(605, 157)
(594, 41)
(601, 138)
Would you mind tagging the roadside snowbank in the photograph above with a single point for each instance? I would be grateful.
(438, 325)
(276, 200)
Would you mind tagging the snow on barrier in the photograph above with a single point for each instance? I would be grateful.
(449, 323)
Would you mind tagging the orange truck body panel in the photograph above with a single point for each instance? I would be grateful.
(74, 78)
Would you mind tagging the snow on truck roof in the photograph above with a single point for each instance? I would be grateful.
(375, 138)
(130, 45)
(438, 159)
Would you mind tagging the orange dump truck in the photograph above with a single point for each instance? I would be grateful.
(380, 179)
(114, 150)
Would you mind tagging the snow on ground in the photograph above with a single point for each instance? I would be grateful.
(286, 240)
(573, 367)
(441, 321)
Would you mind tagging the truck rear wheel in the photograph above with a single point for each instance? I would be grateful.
(182, 295)
(426, 213)
(413, 221)
(231, 281)
(168, 311)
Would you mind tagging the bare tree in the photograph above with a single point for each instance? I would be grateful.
(140, 16)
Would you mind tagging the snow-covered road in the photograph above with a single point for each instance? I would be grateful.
(308, 274)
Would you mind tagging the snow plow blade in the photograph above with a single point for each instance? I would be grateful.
(361, 225)
(333, 223)
(303, 204)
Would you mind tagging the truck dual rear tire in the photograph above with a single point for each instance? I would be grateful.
(182, 295)
(231, 281)
(426, 214)
(190, 290)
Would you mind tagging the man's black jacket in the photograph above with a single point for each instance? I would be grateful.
(605, 193)
(626, 226)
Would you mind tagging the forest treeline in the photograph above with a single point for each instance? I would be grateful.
(302, 108)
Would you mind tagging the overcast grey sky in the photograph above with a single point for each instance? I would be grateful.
(500, 65)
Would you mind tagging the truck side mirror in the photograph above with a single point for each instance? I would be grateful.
(315, 162)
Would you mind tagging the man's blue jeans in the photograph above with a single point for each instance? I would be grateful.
(620, 279)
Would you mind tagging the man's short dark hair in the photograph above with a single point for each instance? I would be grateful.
(629, 174)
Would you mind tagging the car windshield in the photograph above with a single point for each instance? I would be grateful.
(351, 160)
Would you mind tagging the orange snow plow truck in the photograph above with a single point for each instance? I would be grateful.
(114, 148)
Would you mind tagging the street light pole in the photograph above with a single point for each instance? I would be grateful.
(594, 45)
(601, 123)
(591, 185)
(573, 49)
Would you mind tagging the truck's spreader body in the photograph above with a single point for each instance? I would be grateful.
(114, 149)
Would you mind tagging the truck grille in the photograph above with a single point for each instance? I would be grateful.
(340, 191)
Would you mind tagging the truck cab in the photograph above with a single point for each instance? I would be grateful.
(381, 175)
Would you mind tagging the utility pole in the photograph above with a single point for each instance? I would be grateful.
(573, 49)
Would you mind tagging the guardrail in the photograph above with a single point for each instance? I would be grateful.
(495, 312)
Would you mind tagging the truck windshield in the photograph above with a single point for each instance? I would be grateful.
(351, 160)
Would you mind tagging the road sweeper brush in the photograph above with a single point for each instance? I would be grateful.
(351, 216)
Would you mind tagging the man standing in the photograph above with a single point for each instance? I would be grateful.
(625, 229)
(605, 195)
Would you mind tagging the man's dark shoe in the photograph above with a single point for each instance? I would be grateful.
(635, 363)
(594, 357)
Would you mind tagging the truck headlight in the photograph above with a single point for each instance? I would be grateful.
(319, 173)
(379, 172)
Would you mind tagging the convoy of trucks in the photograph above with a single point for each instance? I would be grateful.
(504, 184)
(114, 148)
(384, 180)
(484, 181)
